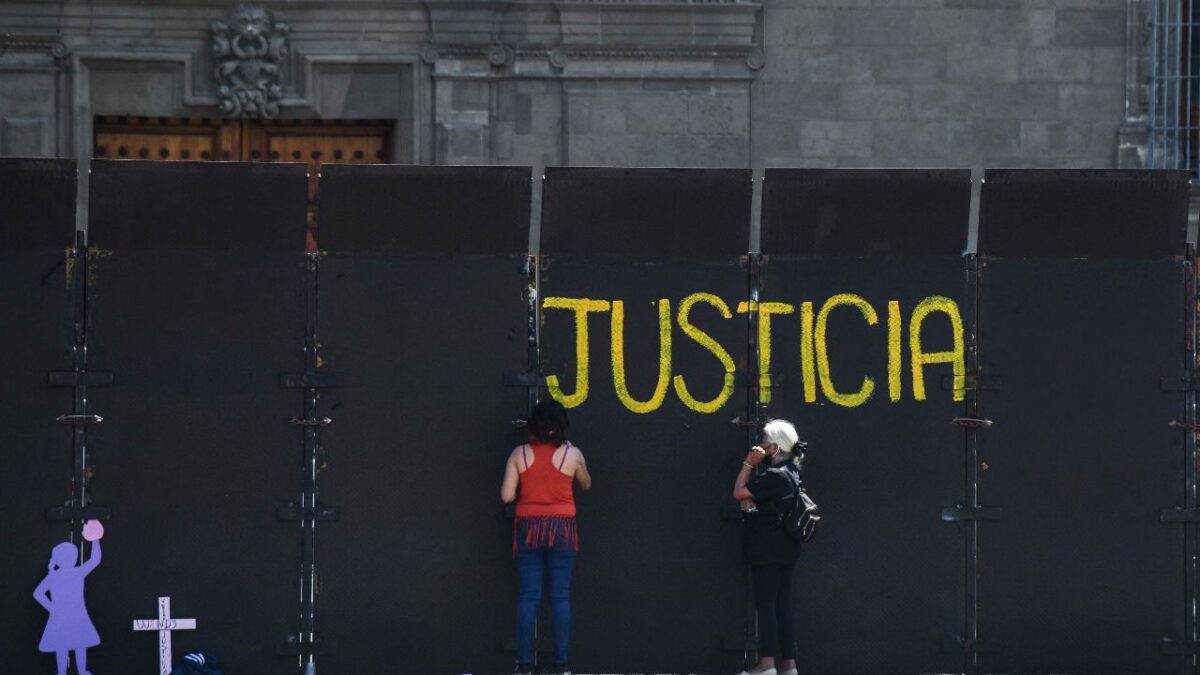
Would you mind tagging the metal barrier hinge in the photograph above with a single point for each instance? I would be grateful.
(1170, 646)
(960, 513)
(1178, 383)
(294, 512)
(971, 422)
(973, 382)
(294, 646)
(1179, 514)
(310, 421)
(1184, 426)
(958, 645)
(79, 420)
(512, 378)
(308, 380)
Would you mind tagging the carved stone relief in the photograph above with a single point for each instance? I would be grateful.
(249, 47)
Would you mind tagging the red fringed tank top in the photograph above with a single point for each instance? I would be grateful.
(546, 506)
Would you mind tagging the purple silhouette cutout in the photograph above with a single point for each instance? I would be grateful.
(69, 628)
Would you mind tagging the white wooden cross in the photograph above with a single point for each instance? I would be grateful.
(164, 625)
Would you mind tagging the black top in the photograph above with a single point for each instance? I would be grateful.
(764, 540)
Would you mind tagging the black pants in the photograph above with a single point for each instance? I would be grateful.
(776, 620)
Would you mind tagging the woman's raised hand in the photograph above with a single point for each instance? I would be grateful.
(755, 456)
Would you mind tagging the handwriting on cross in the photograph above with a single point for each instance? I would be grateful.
(164, 625)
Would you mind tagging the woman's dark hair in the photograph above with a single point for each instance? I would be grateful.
(548, 423)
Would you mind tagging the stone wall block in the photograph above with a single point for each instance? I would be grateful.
(1022, 28)
(982, 64)
(1108, 65)
(835, 138)
(837, 64)
(952, 27)
(1054, 138)
(792, 26)
(798, 101)
(908, 64)
(723, 115)
(1056, 64)
(981, 139)
(897, 142)
(1092, 102)
(608, 115)
(879, 102)
(943, 101)
(657, 113)
(1090, 28)
(875, 27)
(1026, 101)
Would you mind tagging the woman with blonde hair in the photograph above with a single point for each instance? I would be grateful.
(766, 496)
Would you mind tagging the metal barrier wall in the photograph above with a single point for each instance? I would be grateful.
(304, 450)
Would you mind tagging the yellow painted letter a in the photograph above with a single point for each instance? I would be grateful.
(920, 359)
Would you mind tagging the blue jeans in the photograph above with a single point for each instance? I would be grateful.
(530, 563)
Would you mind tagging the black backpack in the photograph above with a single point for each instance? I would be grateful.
(801, 517)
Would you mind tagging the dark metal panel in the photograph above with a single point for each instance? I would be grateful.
(37, 227)
(426, 210)
(660, 570)
(233, 206)
(882, 586)
(662, 213)
(1079, 575)
(196, 289)
(1083, 213)
(855, 212)
(417, 575)
(660, 585)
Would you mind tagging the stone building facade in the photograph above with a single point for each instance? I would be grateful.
(738, 83)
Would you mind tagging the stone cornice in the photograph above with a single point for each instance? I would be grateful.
(50, 44)
(621, 29)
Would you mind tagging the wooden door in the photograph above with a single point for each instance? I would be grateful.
(313, 142)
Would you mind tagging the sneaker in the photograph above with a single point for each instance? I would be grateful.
(768, 671)
(524, 669)
(562, 669)
(793, 671)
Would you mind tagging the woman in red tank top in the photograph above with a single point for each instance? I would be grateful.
(540, 477)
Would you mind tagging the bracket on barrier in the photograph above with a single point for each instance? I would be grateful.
(78, 513)
(1178, 383)
(961, 513)
(310, 422)
(71, 378)
(1179, 515)
(308, 381)
(974, 382)
(971, 422)
(1184, 426)
(1170, 646)
(79, 420)
(295, 512)
(512, 378)
(739, 422)
(959, 645)
(294, 646)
